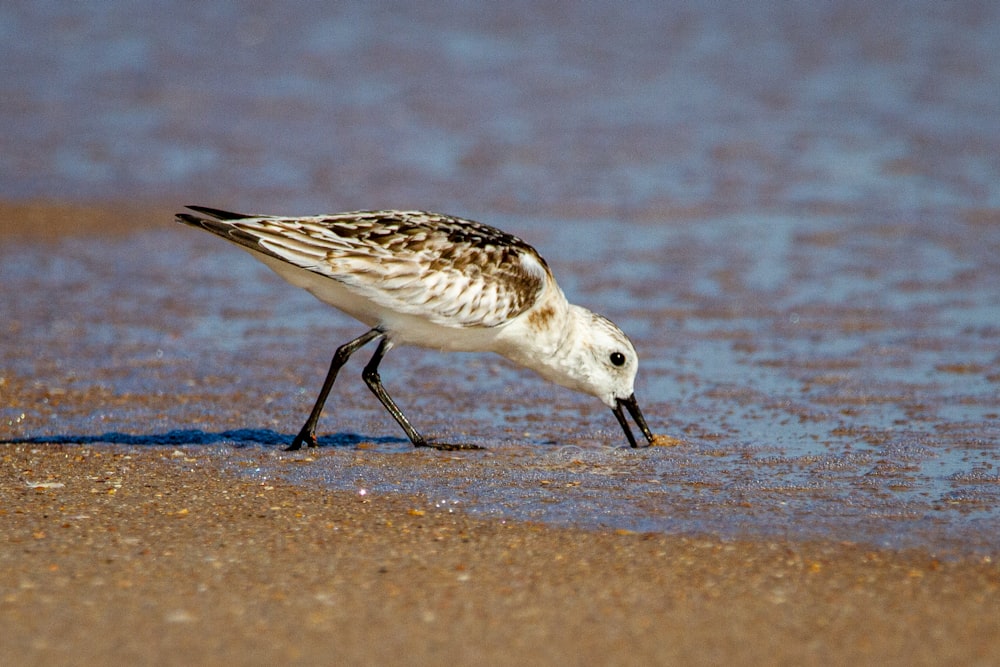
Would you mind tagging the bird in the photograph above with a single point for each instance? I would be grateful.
(442, 282)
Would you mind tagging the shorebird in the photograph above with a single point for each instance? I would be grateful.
(441, 282)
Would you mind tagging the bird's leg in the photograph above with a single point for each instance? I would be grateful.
(374, 382)
(308, 433)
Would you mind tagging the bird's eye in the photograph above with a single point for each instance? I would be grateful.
(617, 358)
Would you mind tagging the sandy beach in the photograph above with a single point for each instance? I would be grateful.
(791, 209)
(148, 555)
(155, 554)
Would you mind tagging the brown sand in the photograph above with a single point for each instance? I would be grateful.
(144, 556)
(48, 221)
(150, 555)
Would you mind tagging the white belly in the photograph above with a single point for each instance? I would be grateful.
(400, 328)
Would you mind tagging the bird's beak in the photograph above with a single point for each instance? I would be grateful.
(633, 409)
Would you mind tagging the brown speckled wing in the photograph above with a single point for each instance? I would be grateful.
(452, 271)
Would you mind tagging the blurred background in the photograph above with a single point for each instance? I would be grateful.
(567, 109)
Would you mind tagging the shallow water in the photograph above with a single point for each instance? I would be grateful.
(798, 416)
(795, 214)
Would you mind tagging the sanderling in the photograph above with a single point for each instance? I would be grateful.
(436, 281)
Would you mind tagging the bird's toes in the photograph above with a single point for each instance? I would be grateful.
(451, 446)
(307, 439)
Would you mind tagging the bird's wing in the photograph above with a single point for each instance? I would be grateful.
(452, 271)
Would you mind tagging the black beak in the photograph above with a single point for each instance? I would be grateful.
(633, 409)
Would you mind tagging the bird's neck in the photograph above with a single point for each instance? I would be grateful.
(546, 338)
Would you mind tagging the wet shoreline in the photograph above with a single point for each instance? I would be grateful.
(792, 210)
(155, 554)
(181, 529)
(807, 419)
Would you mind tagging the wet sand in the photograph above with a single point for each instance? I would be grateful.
(154, 556)
(162, 555)
(795, 215)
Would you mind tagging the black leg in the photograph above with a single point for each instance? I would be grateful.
(374, 382)
(308, 433)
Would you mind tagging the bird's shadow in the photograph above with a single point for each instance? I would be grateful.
(241, 437)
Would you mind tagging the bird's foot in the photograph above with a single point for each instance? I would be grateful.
(449, 446)
(304, 437)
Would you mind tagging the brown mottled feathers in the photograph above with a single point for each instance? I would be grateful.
(452, 271)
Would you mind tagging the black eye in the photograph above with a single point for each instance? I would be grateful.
(617, 358)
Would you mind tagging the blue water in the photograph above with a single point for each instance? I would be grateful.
(638, 110)
(794, 210)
